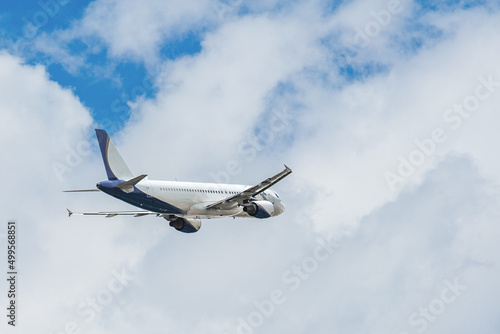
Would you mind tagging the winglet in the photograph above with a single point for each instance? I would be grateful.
(69, 212)
(115, 166)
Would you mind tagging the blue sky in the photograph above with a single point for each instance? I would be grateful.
(105, 94)
(106, 84)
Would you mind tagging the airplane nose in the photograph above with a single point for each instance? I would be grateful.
(279, 208)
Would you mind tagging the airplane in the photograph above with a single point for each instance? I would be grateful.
(183, 204)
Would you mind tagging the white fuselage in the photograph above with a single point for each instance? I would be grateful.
(193, 197)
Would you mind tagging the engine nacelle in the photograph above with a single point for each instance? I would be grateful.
(259, 209)
(186, 225)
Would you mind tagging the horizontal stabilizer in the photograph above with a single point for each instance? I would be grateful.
(80, 191)
(115, 213)
(128, 186)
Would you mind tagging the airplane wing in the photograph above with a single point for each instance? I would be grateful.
(115, 213)
(252, 191)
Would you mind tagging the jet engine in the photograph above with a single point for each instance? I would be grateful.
(186, 225)
(259, 209)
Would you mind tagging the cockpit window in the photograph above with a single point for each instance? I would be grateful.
(276, 195)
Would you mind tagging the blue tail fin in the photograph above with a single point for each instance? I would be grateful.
(116, 168)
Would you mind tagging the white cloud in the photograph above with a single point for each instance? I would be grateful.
(380, 119)
(220, 93)
(137, 30)
(131, 30)
(344, 140)
(61, 261)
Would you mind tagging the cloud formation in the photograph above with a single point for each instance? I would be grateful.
(385, 110)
